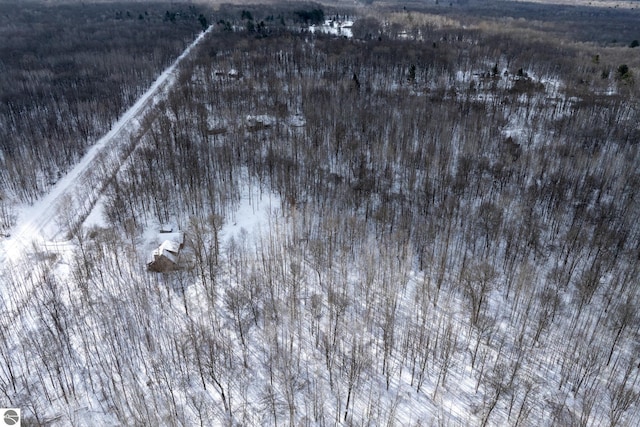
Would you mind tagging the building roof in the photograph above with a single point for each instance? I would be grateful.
(169, 249)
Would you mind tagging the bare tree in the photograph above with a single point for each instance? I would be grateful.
(478, 281)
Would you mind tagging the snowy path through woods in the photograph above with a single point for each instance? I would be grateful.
(71, 199)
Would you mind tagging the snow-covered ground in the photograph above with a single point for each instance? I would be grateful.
(245, 323)
(252, 215)
(43, 224)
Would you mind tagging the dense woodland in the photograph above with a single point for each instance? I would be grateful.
(455, 240)
(611, 23)
(67, 72)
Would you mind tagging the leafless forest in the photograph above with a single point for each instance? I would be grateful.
(455, 239)
(67, 73)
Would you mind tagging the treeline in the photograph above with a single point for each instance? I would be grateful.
(68, 72)
(275, 15)
(612, 25)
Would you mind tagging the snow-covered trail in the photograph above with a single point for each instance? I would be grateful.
(40, 223)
